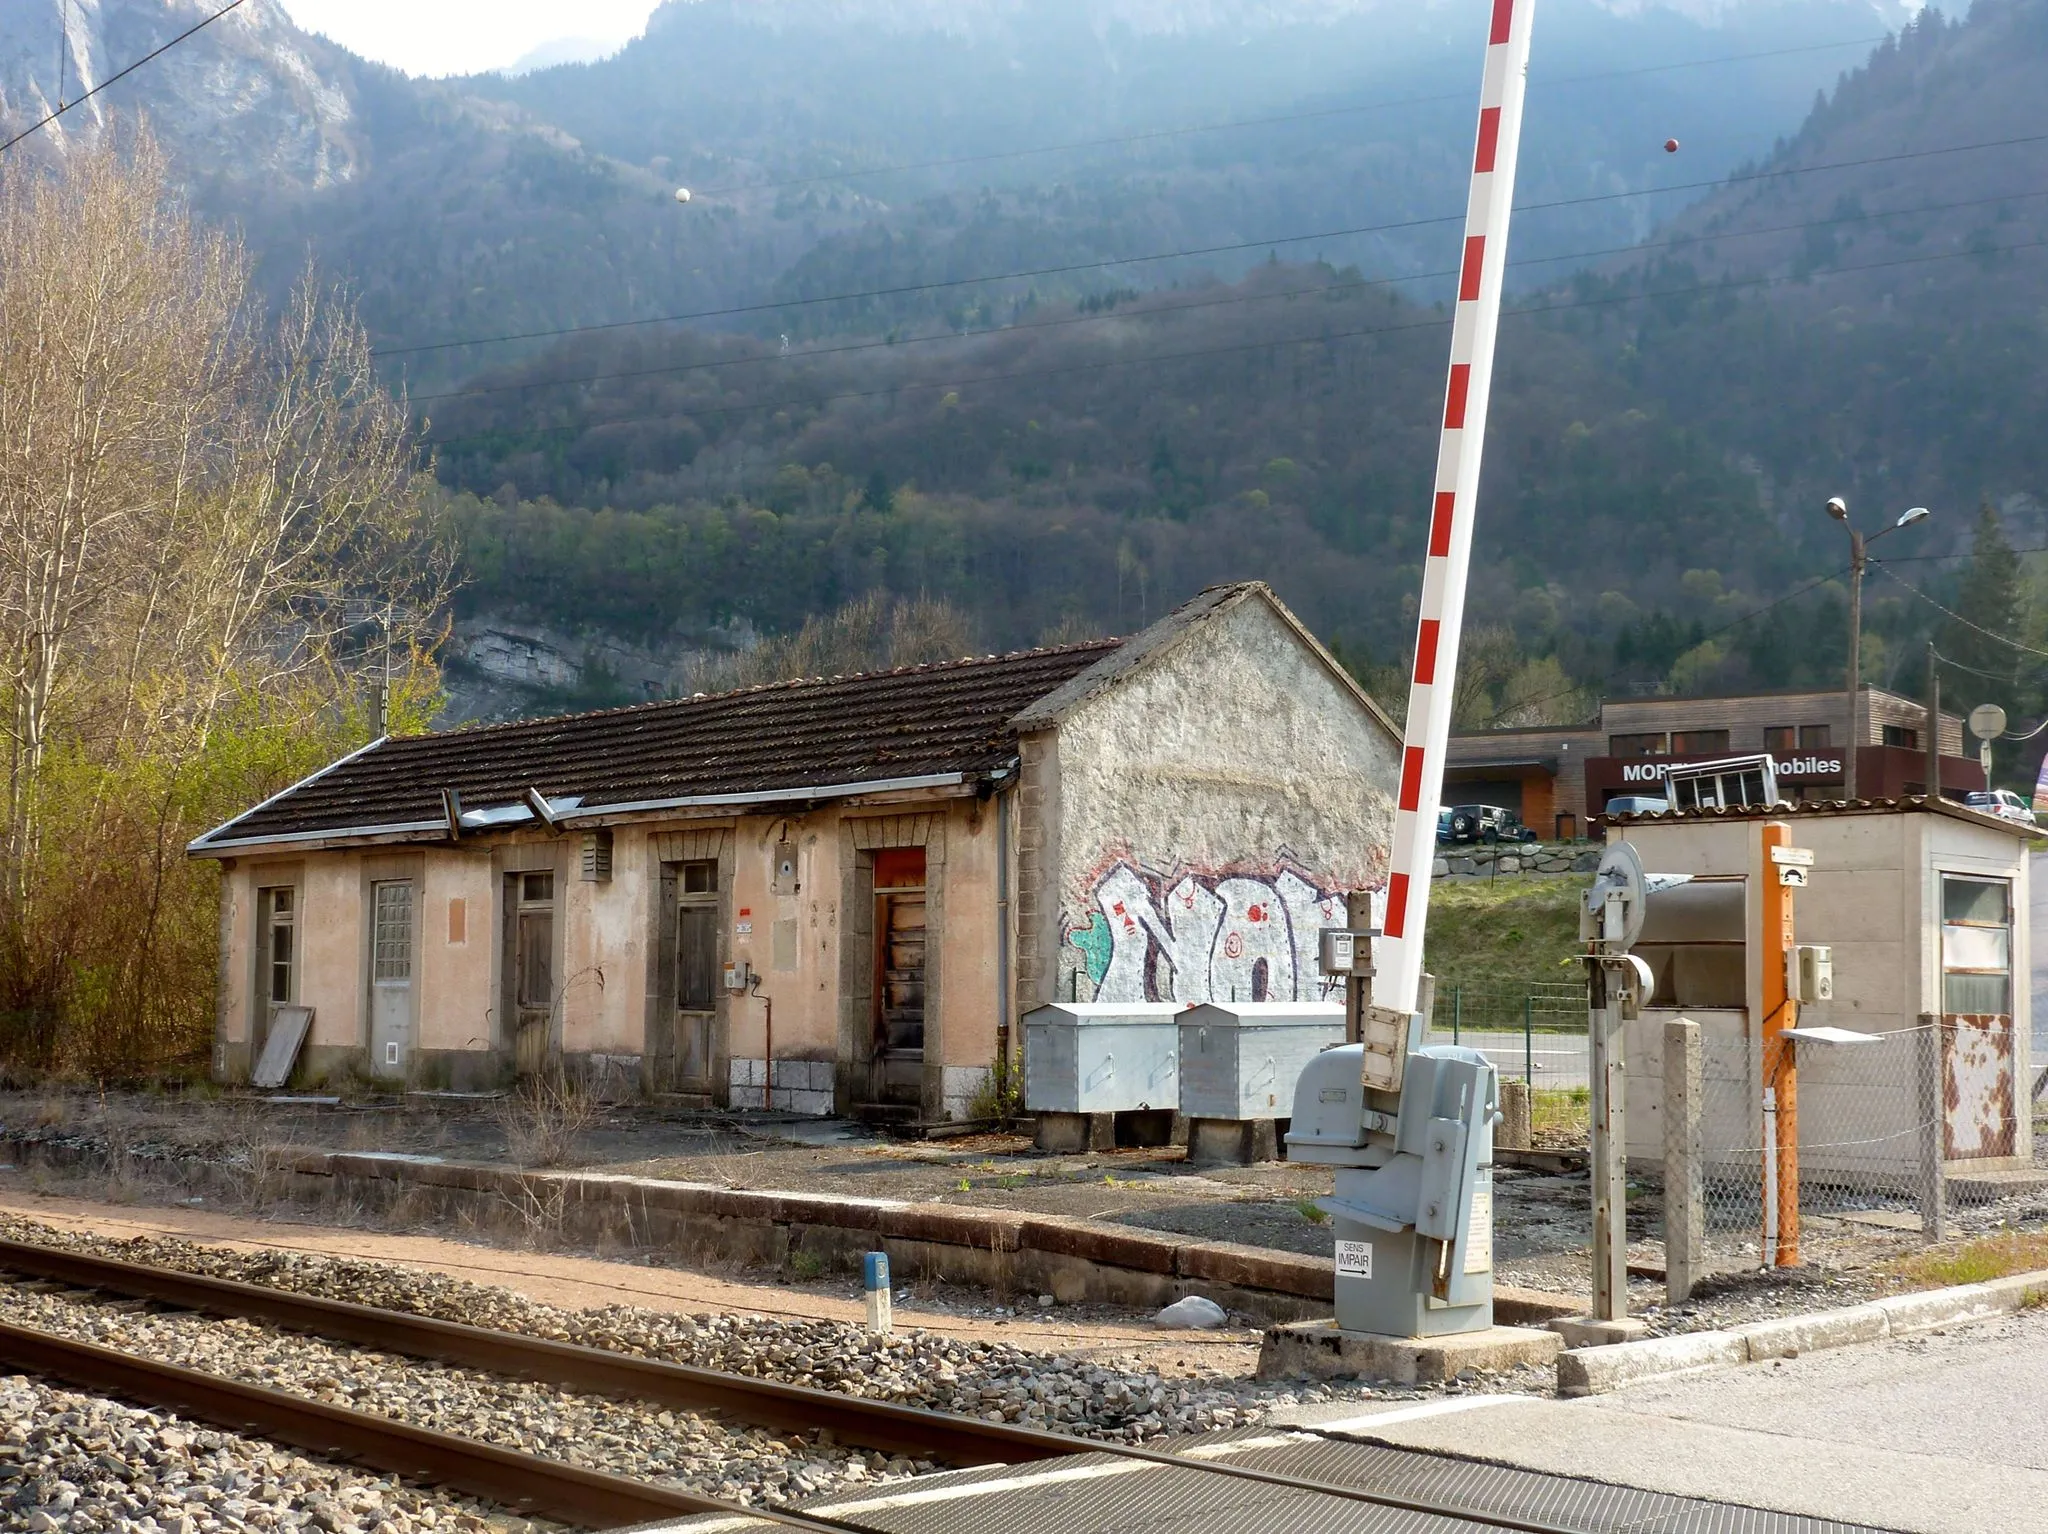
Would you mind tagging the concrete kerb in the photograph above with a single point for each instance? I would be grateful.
(1594, 1371)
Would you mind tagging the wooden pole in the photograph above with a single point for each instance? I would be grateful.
(1780, 1068)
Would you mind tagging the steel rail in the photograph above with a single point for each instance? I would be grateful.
(551, 1488)
(598, 1371)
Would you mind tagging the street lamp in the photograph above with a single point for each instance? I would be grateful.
(1859, 560)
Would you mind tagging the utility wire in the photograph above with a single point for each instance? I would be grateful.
(1107, 316)
(121, 75)
(1231, 247)
(809, 401)
(1259, 122)
(2025, 649)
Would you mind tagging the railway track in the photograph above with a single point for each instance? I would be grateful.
(547, 1487)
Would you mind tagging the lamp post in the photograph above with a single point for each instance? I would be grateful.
(1859, 561)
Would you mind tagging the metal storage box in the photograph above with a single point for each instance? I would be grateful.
(1241, 1061)
(1101, 1057)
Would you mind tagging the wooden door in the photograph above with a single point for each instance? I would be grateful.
(533, 971)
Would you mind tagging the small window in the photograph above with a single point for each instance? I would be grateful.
(536, 889)
(1814, 737)
(1976, 946)
(1639, 745)
(1899, 735)
(280, 944)
(1699, 743)
(1781, 737)
(391, 932)
(700, 877)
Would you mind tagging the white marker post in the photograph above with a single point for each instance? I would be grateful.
(1473, 331)
(875, 1280)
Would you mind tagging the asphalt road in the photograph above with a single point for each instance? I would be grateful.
(1945, 1433)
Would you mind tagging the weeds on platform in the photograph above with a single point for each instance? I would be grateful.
(1976, 1262)
(545, 1117)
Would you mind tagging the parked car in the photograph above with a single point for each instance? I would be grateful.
(1443, 822)
(2004, 803)
(1482, 823)
(1637, 804)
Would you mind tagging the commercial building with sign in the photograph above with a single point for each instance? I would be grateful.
(1560, 780)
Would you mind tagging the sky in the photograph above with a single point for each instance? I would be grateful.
(447, 37)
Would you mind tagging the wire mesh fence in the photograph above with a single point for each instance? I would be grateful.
(1534, 1033)
(1863, 1122)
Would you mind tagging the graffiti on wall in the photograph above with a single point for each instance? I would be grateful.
(1188, 936)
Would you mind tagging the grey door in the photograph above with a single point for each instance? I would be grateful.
(391, 980)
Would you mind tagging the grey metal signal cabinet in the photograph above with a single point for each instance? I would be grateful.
(1096, 1073)
(1238, 1066)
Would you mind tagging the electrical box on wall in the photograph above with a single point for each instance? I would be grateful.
(739, 976)
(1343, 951)
(1810, 972)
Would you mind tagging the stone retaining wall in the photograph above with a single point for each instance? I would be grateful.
(1520, 860)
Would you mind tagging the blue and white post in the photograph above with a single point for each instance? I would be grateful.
(875, 1279)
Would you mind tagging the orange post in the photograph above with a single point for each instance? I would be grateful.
(1781, 1072)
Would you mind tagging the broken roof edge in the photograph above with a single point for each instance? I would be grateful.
(1167, 633)
(591, 817)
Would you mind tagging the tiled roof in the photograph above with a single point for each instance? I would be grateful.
(1813, 808)
(918, 722)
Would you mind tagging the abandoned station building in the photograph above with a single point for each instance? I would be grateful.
(816, 896)
(1559, 779)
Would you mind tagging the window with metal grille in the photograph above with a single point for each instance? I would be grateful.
(391, 957)
(1976, 946)
(279, 909)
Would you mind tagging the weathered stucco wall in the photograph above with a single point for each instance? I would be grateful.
(1208, 812)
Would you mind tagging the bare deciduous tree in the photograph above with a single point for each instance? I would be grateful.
(199, 501)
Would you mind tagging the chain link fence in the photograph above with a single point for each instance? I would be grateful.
(1867, 1120)
(1534, 1033)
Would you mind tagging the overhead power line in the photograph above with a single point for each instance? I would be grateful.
(1232, 247)
(1237, 124)
(67, 106)
(1241, 348)
(1155, 311)
(2024, 649)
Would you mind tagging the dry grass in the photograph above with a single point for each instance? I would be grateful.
(545, 1118)
(1560, 1116)
(1976, 1262)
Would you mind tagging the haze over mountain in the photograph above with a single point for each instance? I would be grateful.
(1131, 429)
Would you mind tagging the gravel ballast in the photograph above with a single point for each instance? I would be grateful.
(78, 1463)
(990, 1380)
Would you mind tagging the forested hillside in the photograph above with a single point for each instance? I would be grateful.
(1667, 426)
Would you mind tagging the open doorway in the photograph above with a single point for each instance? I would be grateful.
(898, 1007)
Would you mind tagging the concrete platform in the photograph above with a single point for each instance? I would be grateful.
(1989, 1187)
(1318, 1349)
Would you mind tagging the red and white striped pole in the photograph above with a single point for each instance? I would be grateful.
(1473, 330)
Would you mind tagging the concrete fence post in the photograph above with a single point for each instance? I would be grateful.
(1684, 1222)
(1933, 1123)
